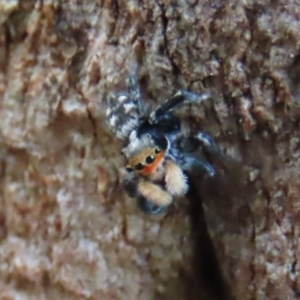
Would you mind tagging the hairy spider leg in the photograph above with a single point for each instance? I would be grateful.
(189, 145)
(130, 184)
(175, 180)
(136, 190)
(149, 207)
(208, 143)
(135, 94)
(198, 165)
(154, 192)
(178, 99)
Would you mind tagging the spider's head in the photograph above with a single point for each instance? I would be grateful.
(146, 161)
(145, 154)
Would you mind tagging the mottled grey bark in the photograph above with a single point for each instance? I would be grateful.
(67, 229)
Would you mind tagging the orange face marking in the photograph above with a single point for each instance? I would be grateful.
(146, 161)
(149, 169)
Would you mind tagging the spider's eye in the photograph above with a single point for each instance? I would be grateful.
(128, 169)
(157, 150)
(150, 159)
(139, 166)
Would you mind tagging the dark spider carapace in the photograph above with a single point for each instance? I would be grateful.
(155, 160)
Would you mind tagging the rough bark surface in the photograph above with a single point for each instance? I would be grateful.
(67, 230)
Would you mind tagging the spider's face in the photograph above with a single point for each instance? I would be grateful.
(146, 161)
(145, 153)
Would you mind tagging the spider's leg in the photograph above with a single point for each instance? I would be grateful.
(152, 198)
(197, 165)
(175, 179)
(141, 193)
(122, 115)
(149, 207)
(154, 193)
(178, 99)
(209, 144)
(130, 184)
(135, 94)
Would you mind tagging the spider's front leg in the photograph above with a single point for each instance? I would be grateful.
(175, 101)
(151, 198)
(175, 179)
(149, 207)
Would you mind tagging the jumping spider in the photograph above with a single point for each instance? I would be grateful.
(155, 160)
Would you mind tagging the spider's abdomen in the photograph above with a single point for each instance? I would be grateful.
(122, 115)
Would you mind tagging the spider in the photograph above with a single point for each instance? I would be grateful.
(156, 162)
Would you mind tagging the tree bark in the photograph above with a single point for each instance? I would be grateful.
(68, 231)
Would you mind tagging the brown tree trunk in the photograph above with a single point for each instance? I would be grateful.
(68, 231)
